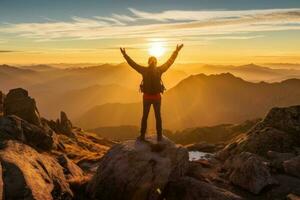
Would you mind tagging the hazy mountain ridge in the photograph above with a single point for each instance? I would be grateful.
(202, 100)
(77, 101)
(249, 72)
(51, 85)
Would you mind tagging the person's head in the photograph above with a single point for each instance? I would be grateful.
(152, 61)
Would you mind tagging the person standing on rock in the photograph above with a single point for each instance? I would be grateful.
(151, 87)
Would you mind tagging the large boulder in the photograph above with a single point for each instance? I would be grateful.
(279, 131)
(138, 170)
(15, 128)
(17, 102)
(249, 171)
(192, 189)
(30, 175)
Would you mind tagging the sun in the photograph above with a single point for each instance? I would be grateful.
(156, 49)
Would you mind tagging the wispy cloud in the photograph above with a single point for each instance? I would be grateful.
(167, 24)
(124, 18)
(6, 51)
(181, 15)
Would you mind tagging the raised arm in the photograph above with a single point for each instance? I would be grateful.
(133, 64)
(171, 60)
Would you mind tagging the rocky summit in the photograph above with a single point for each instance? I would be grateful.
(138, 170)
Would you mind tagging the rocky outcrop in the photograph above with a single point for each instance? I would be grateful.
(65, 123)
(292, 166)
(15, 128)
(279, 131)
(30, 175)
(138, 170)
(17, 102)
(249, 172)
(266, 155)
(38, 164)
(62, 125)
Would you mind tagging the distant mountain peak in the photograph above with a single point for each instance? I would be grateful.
(254, 66)
(227, 76)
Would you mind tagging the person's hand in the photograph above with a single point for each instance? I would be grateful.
(179, 47)
(123, 51)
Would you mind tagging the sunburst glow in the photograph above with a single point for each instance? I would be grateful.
(156, 49)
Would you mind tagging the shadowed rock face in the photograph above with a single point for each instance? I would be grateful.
(12, 127)
(279, 131)
(17, 102)
(137, 170)
(71, 170)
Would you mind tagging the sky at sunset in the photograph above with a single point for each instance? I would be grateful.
(91, 31)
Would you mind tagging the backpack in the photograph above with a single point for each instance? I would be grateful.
(162, 88)
(152, 83)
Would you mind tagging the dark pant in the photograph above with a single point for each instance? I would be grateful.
(146, 108)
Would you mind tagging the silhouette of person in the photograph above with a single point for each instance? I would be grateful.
(152, 87)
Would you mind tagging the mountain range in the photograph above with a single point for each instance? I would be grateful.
(112, 89)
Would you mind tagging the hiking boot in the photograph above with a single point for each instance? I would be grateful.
(141, 138)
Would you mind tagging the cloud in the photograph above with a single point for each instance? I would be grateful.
(124, 18)
(230, 37)
(111, 19)
(166, 24)
(181, 15)
(6, 51)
